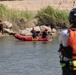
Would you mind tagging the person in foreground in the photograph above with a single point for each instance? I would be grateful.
(67, 48)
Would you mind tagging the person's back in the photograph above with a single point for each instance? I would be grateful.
(34, 35)
(44, 33)
(68, 46)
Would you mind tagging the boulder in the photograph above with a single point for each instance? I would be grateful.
(43, 28)
(8, 31)
(53, 30)
(37, 28)
(25, 32)
(28, 29)
(7, 24)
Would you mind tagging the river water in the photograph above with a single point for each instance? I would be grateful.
(29, 58)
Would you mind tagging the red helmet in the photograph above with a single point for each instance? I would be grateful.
(46, 29)
(34, 30)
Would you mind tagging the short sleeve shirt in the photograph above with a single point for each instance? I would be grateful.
(63, 37)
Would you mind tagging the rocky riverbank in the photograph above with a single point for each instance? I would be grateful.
(27, 31)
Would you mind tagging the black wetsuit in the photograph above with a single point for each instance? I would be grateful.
(44, 34)
(1, 27)
(34, 33)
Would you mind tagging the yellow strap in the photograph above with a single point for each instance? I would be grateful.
(34, 39)
(74, 63)
(74, 68)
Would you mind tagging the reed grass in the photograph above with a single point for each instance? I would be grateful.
(52, 17)
(18, 18)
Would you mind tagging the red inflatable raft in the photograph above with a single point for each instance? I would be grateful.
(29, 38)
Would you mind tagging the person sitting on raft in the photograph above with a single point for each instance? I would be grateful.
(34, 34)
(45, 33)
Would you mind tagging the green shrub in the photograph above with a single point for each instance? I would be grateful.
(52, 17)
(19, 18)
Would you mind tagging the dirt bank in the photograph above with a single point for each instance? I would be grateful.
(35, 5)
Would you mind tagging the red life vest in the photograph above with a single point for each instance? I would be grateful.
(72, 42)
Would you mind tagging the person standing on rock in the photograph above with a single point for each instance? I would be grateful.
(67, 49)
(1, 26)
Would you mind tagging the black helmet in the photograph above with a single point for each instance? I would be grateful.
(72, 16)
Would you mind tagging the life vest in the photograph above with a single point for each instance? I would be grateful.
(72, 42)
(70, 50)
(68, 53)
